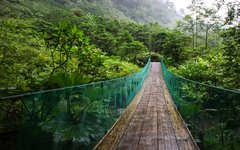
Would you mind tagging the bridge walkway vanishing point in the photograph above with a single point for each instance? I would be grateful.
(150, 122)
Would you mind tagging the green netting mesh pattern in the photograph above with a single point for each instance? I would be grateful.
(67, 118)
(212, 114)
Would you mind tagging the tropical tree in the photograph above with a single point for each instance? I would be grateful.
(175, 46)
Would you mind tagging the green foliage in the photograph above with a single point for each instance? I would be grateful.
(19, 57)
(116, 68)
(66, 79)
(69, 51)
(63, 43)
(197, 70)
(174, 46)
(231, 54)
(132, 50)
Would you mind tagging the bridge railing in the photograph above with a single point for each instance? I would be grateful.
(68, 118)
(211, 113)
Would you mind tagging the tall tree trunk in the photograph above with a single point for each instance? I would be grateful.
(206, 37)
(193, 41)
(196, 34)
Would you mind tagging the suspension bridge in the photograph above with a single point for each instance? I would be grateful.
(154, 122)
(151, 109)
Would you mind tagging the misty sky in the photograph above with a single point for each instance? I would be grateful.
(184, 3)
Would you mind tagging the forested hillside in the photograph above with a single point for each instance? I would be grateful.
(46, 45)
(141, 11)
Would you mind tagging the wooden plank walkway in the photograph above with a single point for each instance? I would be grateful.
(151, 121)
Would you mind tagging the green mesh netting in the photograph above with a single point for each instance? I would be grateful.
(67, 118)
(211, 113)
